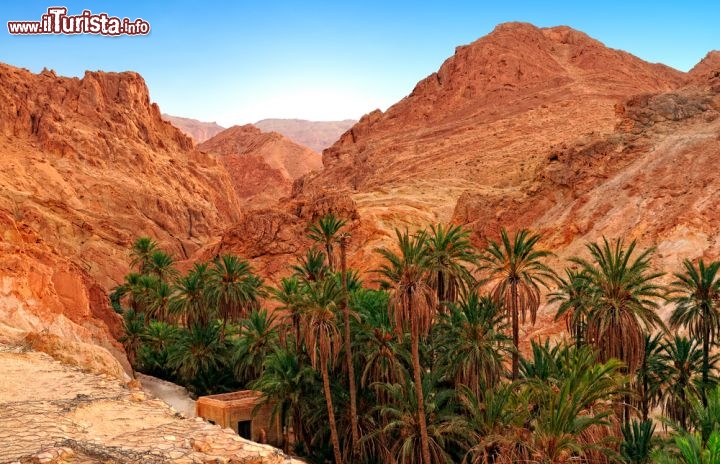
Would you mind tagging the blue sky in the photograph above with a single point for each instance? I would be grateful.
(238, 62)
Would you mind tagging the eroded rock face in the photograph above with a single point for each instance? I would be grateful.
(478, 142)
(88, 166)
(522, 128)
(539, 128)
(67, 415)
(651, 179)
(262, 165)
(526, 127)
(274, 238)
(707, 72)
(496, 104)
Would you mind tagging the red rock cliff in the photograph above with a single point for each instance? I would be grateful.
(89, 165)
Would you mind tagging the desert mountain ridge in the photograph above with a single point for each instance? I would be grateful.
(88, 166)
(262, 165)
(199, 131)
(316, 135)
(533, 127)
(526, 127)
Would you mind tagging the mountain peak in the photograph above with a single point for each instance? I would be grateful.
(519, 75)
(199, 131)
(707, 70)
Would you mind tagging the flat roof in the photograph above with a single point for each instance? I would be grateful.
(241, 398)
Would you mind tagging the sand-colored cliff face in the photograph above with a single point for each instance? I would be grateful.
(652, 180)
(262, 165)
(89, 165)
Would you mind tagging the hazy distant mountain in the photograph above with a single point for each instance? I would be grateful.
(199, 131)
(262, 165)
(317, 135)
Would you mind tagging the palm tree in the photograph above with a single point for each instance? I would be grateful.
(311, 267)
(403, 430)
(233, 289)
(158, 307)
(127, 291)
(624, 299)
(199, 354)
(325, 232)
(690, 449)
(134, 327)
(494, 425)
(162, 265)
(285, 381)
(571, 415)
(375, 342)
(705, 418)
(697, 292)
(574, 297)
(322, 339)
(384, 361)
(158, 338)
(189, 302)
(141, 253)
(472, 344)
(543, 363)
(256, 340)
(354, 432)
(290, 294)
(412, 307)
(517, 270)
(143, 294)
(649, 375)
(637, 445)
(682, 361)
(449, 251)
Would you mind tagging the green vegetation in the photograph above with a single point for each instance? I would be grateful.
(424, 362)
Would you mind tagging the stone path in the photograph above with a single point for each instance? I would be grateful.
(174, 395)
(52, 413)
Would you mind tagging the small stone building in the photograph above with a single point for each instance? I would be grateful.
(238, 411)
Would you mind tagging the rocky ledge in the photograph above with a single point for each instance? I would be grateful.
(53, 413)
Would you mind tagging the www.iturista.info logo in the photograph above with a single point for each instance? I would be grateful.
(57, 21)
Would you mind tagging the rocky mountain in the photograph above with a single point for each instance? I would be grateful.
(262, 165)
(317, 135)
(527, 127)
(199, 131)
(88, 166)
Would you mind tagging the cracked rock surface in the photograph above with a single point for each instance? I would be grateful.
(53, 413)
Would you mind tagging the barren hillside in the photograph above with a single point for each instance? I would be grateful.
(526, 127)
(88, 166)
